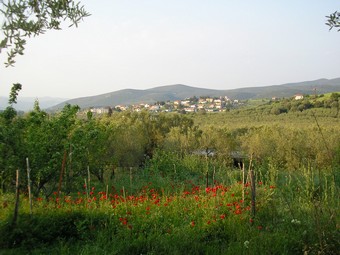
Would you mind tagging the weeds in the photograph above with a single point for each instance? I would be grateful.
(181, 217)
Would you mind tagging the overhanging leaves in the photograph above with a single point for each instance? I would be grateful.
(333, 20)
(26, 18)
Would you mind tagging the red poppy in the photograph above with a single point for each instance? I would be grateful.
(238, 211)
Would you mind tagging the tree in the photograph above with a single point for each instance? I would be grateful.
(46, 139)
(27, 18)
(333, 20)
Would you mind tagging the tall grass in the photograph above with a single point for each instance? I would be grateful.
(166, 208)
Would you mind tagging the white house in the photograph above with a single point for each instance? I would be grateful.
(298, 96)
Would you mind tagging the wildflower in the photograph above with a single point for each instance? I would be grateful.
(259, 227)
(296, 222)
(246, 244)
(192, 223)
(123, 221)
(238, 211)
(186, 193)
(222, 216)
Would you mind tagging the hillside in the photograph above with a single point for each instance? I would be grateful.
(179, 91)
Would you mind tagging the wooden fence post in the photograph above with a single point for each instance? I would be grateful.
(130, 178)
(207, 179)
(253, 188)
(243, 181)
(16, 208)
(88, 178)
(29, 185)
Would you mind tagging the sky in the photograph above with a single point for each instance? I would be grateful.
(141, 44)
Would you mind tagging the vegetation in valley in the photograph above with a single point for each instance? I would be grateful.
(156, 183)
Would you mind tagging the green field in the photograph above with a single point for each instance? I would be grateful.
(142, 183)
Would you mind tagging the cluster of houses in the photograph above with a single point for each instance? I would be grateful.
(194, 104)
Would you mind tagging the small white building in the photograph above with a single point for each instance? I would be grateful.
(298, 96)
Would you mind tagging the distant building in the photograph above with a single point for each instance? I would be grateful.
(185, 103)
(298, 96)
(154, 108)
(100, 110)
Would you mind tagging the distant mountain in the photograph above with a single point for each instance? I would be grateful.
(320, 86)
(133, 96)
(179, 91)
(26, 103)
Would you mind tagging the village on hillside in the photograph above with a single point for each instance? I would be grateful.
(188, 105)
(193, 104)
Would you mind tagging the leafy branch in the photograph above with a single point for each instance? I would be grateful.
(27, 18)
(334, 21)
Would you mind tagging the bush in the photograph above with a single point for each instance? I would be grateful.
(46, 229)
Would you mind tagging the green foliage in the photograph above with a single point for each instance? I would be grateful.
(333, 20)
(127, 139)
(49, 228)
(45, 140)
(181, 216)
(173, 157)
(24, 19)
(14, 93)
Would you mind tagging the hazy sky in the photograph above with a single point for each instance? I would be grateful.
(219, 44)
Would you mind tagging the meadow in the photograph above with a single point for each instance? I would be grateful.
(171, 183)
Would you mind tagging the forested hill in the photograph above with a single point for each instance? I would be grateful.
(178, 92)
